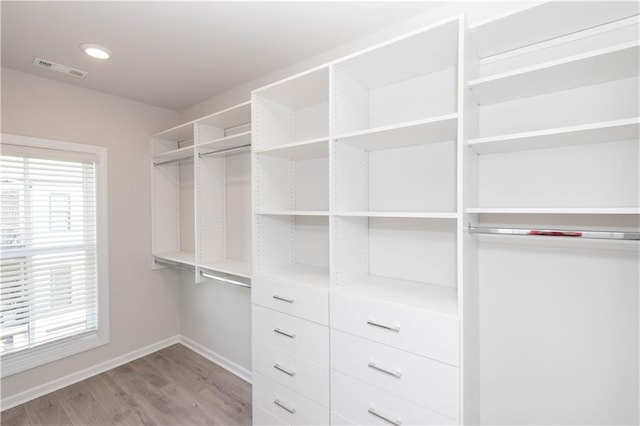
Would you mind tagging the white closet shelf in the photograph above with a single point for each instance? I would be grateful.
(608, 131)
(302, 150)
(176, 154)
(184, 257)
(608, 64)
(426, 296)
(293, 213)
(231, 117)
(403, 214)
(556, 210)
(430, 130)
(397, 60)
(301, 90)
(180, 133)
(300, 274)
(238, 268)
(228, 142)
(520, 29)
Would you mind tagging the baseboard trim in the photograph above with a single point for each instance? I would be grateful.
(54, 385)
(216, 358)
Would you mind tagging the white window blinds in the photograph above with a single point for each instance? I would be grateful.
(48, 246)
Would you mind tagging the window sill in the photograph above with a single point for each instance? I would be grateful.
(35, 357)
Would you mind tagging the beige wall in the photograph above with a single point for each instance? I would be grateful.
(144, 304)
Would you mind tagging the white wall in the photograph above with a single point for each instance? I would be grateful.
(217, 316)
(144, 304)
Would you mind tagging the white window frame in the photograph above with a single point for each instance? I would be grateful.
(13, 363)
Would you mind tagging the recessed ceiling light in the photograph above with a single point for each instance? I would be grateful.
(95, 51)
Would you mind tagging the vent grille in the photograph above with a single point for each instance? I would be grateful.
(43, 63)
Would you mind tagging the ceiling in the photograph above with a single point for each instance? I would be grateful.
(175, 54)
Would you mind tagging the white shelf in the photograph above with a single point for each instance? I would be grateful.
(556, 210)
(303, 150)
(542, 22)
(293, 213)
(180, 133)
(228, 266)
(176, 154)
(421, 295)
(609, 131)
(595, 67)
(408, 215)
(300, 274)
(435, 129)
(230, 117)
(183, 257)
(422, 52)
(300, 90)
(228, 142)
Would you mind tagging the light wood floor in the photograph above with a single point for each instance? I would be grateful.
(173, 386)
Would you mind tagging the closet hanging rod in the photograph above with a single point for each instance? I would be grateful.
(598, 235)
(172, 161)
(227, 150)
(226, 280)
(174, 264)
(228, 130)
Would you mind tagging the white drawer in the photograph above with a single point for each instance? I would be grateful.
(338, 419)
(297, 299)
(426, 382)
(261, 417)
(302, 337)
(287, 405)
(300, 374)
(416, 330)
(367, 405)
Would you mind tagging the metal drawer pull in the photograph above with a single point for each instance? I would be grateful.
(284, 370)
(386, 419)
(395, 374)
(284, 333)
(386, 327)
(284, 407)
(284, 299)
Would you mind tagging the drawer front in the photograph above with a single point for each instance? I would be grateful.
(367, 405)
(426, 382)
(300, 300)
(339, 419)
(305, 338)
(423, 332)
(287, 405)
(261, 417)
(300, 374)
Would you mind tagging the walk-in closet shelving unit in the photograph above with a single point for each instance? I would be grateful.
(206, 208)
(552, 150)
(359, 159)
(291, 228)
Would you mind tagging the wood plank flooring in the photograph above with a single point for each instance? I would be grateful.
(174, 386)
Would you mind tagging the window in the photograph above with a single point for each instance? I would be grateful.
(53, 266)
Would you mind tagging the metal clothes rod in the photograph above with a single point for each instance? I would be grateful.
(231, 131)
(225, 151)
(175, 264)
(597, 235)
(226, 280)
(171, 161)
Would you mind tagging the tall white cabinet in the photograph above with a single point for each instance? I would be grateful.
(442, 229)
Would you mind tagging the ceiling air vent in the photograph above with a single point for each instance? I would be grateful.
(43, 63)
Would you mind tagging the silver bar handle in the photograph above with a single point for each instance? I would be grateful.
(284, 299)
(225, 280)
(284, 333)
(385, 418)
(396, 374)
(225, 151)
(596, 235)
(395, 328)
(284, 407)
(284, 370)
